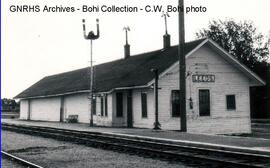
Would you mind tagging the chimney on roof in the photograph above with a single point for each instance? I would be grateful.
(166, 36)
(166, 41)
(127, 46)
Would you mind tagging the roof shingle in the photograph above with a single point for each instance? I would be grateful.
(134, 71)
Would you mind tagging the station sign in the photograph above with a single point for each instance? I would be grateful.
(203, 78)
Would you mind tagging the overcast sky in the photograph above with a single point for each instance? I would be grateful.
(35, 45)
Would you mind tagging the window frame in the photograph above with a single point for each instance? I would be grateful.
(234, 108)
(105, 105)
(101, 106)
(144, 111)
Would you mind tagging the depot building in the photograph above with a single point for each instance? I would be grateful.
(217, 92)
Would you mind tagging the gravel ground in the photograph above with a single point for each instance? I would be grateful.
(51, 153)
(239, 141)
(5, 163)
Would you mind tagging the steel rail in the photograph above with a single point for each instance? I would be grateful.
(164, 150)
(19, 160)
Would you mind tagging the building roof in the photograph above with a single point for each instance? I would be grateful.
(134, 71)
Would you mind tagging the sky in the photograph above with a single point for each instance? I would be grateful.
(38, 44)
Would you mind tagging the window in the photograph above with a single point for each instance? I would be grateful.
(101, 106)
(175, 103)
(204, 102)
(230, 99)
(106, 105)
(94, 106)
(119, 104)
(144, 104)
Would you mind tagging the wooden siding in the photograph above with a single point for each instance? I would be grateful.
(138, 120)
(46, 109)
(104, 120)
(77, 104)
(23, 109)
(228, 80)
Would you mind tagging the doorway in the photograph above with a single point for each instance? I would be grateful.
(204, 102)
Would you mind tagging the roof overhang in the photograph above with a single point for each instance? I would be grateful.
(53, 95)
(84, 91)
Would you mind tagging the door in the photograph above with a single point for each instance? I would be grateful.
(119, 104)
(204, 102)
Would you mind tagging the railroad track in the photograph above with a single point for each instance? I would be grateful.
(149, 147)
(19, 160)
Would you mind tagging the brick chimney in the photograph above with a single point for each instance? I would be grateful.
(127, 50)
(166, 41)
(166, 36)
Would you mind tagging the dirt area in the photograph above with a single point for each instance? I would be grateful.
(51, 153)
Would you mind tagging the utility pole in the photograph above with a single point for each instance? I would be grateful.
(182, 67)
(91, 36)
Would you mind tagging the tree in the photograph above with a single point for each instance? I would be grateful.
(240, 39)
(9, 105)
(252, 49)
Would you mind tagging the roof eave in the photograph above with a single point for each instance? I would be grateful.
(245, 70)
(51, 95)
(242, 67)
(83, 91)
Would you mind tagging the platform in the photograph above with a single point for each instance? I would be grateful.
(242, 144)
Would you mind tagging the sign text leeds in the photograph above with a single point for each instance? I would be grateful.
(203, 78)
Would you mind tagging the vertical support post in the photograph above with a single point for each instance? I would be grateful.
(182, 67)
(91, 84)
(156, 124)
(62, 109)
(29, 109)
(129, 109)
